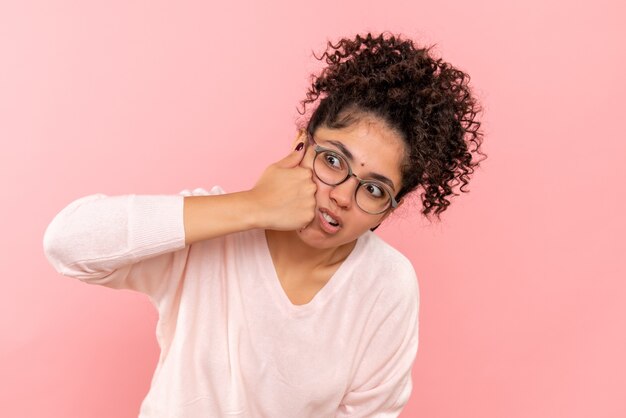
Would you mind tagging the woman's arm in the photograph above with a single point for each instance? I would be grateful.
(102, 239)
(134, 242)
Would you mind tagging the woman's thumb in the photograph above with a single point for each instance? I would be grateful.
(294, 157)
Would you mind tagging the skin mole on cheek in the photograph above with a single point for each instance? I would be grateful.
(362, 164)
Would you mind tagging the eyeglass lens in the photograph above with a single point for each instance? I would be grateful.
(332, 169)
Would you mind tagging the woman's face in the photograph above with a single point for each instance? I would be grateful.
(373, 151)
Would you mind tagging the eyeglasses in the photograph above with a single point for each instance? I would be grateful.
(332, 168)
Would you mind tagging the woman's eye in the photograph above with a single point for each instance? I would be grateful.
(333, 161)
(374, 190)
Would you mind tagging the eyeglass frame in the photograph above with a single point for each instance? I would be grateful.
(318, 149)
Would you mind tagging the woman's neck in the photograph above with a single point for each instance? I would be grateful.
(288, 250)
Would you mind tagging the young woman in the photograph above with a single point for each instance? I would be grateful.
(280, 301)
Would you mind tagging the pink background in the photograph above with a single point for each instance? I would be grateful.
(523, 310)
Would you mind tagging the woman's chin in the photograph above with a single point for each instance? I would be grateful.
(313, 236)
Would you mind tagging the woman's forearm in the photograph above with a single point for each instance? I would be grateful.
(207, 217)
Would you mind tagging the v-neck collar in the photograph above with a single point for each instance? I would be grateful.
(335, 281)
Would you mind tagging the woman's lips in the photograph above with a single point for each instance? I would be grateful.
(325, 224)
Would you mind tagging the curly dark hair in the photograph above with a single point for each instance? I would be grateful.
(426, 100)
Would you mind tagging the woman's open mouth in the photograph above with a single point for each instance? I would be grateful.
(328, 223)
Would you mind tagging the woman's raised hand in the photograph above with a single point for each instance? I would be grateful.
(285, 194)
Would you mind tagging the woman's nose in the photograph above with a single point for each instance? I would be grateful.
(343, 193)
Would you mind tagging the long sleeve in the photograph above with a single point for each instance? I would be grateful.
(128, 241)
(383, 384)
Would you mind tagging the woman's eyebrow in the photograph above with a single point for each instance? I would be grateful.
(343, 149)
(350, 157)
